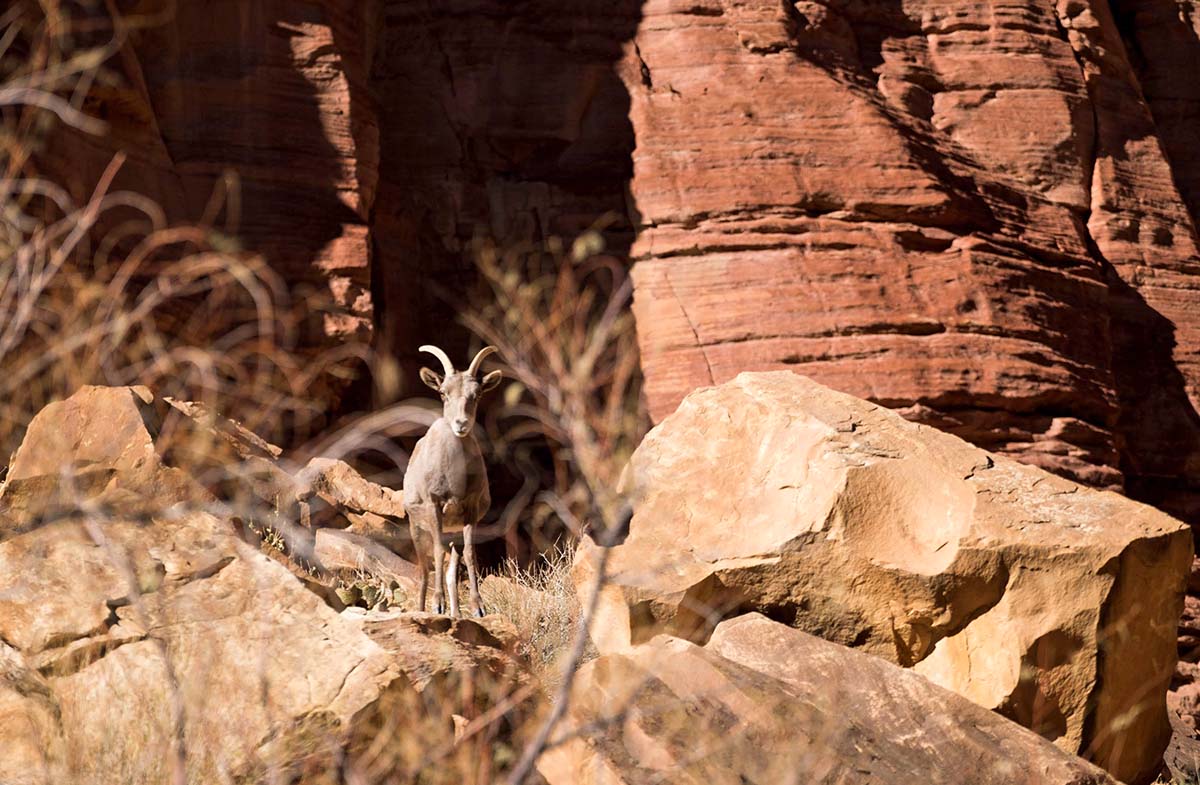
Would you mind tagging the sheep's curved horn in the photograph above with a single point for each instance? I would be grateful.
(484, 352)
(447, 366)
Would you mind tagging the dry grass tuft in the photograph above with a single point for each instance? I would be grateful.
(542, 604)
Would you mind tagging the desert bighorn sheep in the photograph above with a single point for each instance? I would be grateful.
(446, 485)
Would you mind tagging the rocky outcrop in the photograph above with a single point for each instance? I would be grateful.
(1054, 604)
(337, 483)
(143, 641)
(919, 204)
(761, 702)
(273, 97)
(968, 212)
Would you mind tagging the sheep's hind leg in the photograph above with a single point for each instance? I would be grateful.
(439, 556)
(472, 575)
(452, 581)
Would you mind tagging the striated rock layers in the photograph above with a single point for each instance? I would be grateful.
(1051, 603)
(762, 703)
(982, 214)
(273, 95)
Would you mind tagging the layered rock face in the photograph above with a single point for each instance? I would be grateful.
(980, 214)
(273, 97)
(762, 703)
(1051, 603)
(976, 213)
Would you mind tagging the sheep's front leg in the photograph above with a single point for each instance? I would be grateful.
(472, 575)
(439, 555)
(414, 531)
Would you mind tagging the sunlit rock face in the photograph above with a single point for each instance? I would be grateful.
(1054, 604)
(762, 701)
(981, 214)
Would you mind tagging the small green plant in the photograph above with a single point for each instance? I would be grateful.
(269, 537)
(370, 591)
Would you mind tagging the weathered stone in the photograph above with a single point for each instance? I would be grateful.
(762, 703)
(127, 620)
(350, 552)
(99, 446)
(1051, 603)
(340, 485)
(966, 211)
(427, 645)
(143, 649)
(28, 722)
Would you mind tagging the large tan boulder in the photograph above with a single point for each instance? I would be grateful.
(762, 703)
(1029, 594)
(122, 449)
(100, 447)
(337, 483)
(139, 631)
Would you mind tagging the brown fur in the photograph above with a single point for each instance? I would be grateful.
(446, 485)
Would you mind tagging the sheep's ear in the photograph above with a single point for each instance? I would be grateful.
(431, 379)
(490, 380)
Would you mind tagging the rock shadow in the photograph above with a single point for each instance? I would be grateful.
(505, 121)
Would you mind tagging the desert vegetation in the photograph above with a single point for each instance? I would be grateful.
(106, 291)
(206, 568)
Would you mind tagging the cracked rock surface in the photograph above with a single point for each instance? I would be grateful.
(981, 214)
(762, 702)
(137, 629)
(1052, 603)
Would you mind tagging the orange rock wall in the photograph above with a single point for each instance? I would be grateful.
(967, 211)
(982, 214)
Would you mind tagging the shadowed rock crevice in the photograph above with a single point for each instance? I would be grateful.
(497, 119)
(1162, 38)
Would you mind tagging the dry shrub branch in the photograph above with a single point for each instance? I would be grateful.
(561, 320)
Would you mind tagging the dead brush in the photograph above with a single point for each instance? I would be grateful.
(541, 602)
(560, 318)
(105, 290)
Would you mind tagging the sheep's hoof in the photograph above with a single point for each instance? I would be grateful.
(438, 609)
(479, 613)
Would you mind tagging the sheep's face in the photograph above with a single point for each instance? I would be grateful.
(460, 396)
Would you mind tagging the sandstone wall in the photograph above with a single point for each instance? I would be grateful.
(973, 212)
(981, 214)
(372, 142)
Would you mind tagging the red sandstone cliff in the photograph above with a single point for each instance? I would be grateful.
(981, 214)
(969, 211)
